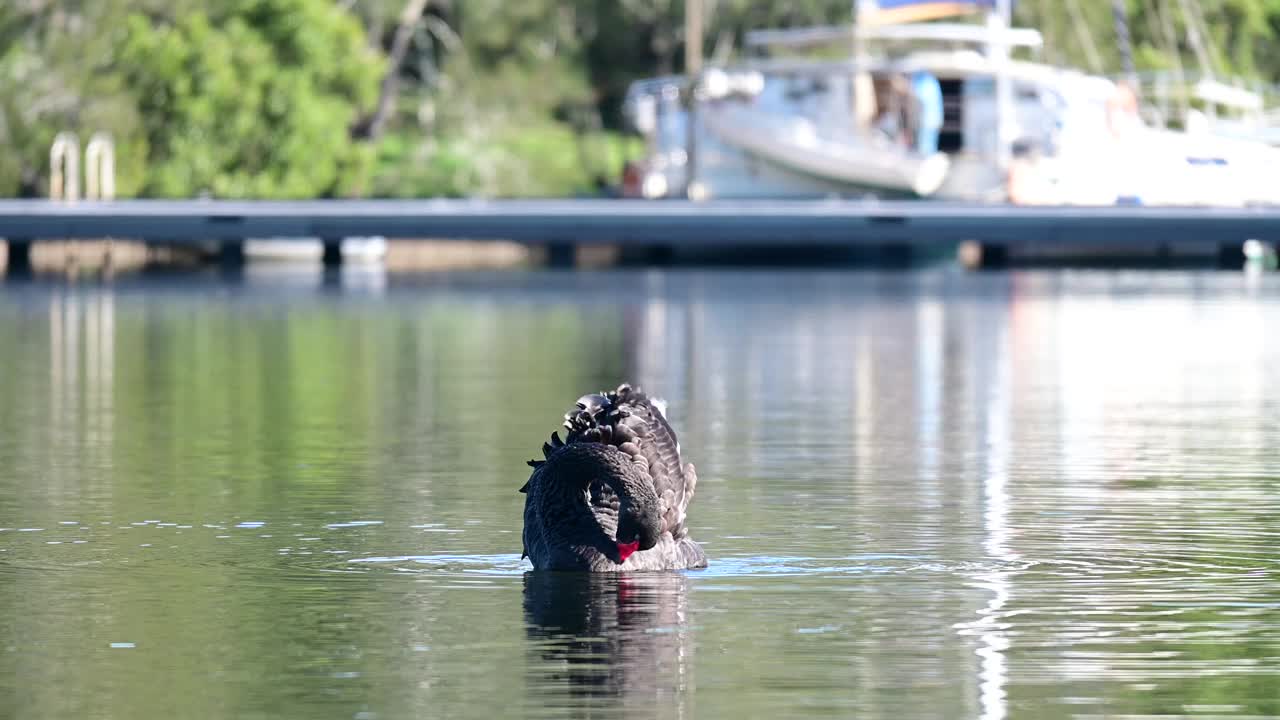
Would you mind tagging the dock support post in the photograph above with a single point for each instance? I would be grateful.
(560, 255)
(332, 257)
(1231, 256)
(994, 257)
(19, 256)
(978, 255)
(894, 255)
(231, 254)
(661, 256)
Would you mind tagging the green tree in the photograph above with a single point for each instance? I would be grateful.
(255, 100)
(237, 98)
(55, 75)
(297, 98)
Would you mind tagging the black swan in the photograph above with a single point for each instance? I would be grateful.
(612, 496)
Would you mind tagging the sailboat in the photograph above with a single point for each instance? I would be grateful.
(1203, 101)
(901, 105)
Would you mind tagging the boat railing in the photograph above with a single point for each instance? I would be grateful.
(939, 33)
(665, 85)
(1235, 94)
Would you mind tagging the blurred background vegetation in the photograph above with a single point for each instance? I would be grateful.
(413, 98)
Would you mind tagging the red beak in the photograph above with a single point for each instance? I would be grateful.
(625, 550)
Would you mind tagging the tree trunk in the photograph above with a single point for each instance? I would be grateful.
(370, 126)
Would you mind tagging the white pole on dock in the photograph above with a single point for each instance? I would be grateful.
(64, 167)
(100, 168)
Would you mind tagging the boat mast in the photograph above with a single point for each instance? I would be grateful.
(1081, 27)
(1121, 16)
(693, 77)
(1196, 37)
(999, 20)
(864, 95)
(1164, 17)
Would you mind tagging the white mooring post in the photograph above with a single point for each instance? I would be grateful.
(100, 168)
(64, 167)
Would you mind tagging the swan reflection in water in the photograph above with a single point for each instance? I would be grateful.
(610, 636)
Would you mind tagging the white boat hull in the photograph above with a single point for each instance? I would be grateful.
(796, 146)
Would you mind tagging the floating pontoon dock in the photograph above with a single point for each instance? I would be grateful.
(663, 225)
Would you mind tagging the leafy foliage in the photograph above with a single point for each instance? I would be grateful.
(263, 98)
(255, 101)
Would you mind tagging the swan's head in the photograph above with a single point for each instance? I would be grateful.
(639, 519)
(638, 523)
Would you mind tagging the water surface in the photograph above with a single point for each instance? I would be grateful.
(927, 494)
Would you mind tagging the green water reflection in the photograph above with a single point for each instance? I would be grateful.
(924, 495)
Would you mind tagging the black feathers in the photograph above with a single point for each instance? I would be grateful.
(618, 472)
(626, 419)
(620, 418)
(547, 449)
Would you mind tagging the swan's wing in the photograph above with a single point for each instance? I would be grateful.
(657, 442)
(628, 419)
